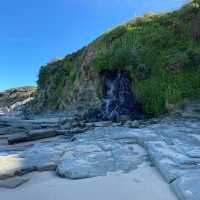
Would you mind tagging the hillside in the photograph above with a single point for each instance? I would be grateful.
(160, 52)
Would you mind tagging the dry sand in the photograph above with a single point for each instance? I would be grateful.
(144, 183)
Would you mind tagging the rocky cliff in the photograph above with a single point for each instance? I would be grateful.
(159, 52)
(14, 99)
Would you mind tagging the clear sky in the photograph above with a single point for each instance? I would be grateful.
(36, 31)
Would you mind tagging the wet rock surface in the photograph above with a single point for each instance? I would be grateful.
(98, 158)
(187, 186)
(82, 150)
(13, 182)
(118, 98)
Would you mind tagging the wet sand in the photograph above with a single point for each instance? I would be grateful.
(145, 183)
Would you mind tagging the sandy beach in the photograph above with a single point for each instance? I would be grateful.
(145, 183)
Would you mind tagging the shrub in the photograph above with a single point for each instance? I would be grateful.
(119, 58)
(196, 27)
(143, 72)
(122, 58)
(194, 56)
(43, 74)
(101, 62)
(178, 62)
(112, 35)
(140, 21)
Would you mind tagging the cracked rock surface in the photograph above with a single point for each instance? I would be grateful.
(172, 144)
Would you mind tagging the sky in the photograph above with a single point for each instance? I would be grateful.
(34, 32)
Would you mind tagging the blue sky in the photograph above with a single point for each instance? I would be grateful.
(36, 31)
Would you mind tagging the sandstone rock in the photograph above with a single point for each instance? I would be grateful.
(171, 143)
(103, 124)
(42, 133)
(42, 157)
(3, 124)
(76, 130)
(13, 182)
(165, 159)
(90, 160)
(31, 136)
(3, 131)
(14, 99)
(187, 186)
(67, 125)
(9, 165)
(96, 164)
(17, 138)
(133, 124)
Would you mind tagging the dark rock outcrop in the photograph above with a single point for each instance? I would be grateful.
(118, 97)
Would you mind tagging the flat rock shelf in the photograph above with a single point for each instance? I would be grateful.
(76, 150)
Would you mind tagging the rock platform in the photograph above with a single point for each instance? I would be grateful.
(77, 150)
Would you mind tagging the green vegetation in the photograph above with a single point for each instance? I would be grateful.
(160, 51)
(161, 54)
(196, 3)
(118, 58)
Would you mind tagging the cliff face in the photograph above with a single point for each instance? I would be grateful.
(67, 84)
(16, 98)
(161, 54)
